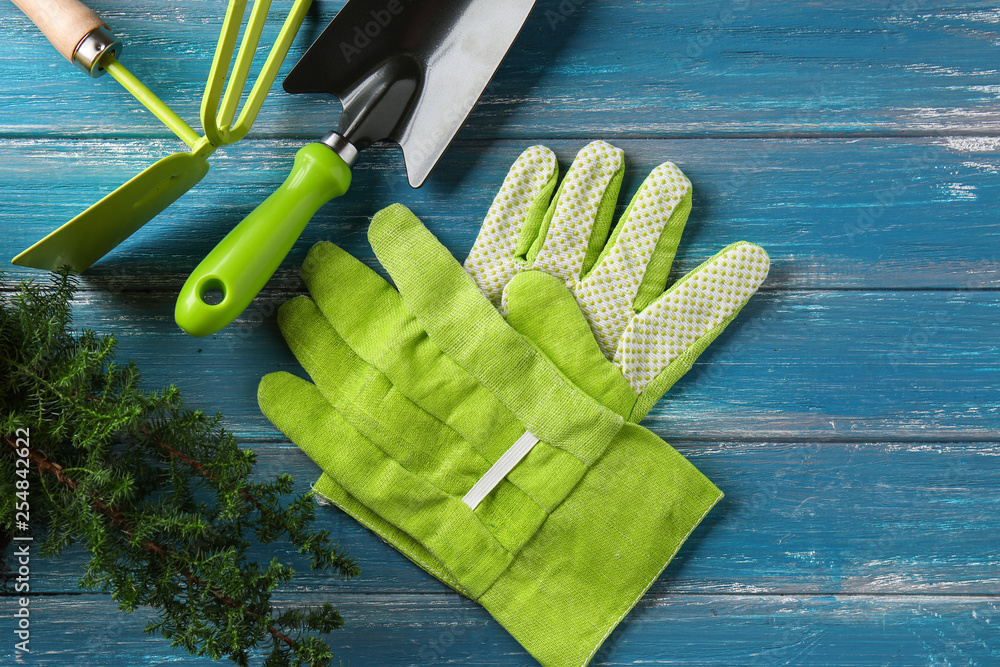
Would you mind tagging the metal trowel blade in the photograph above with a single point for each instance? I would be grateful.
(409, 71)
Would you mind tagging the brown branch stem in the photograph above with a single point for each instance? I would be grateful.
(42, 462)
(194, 463)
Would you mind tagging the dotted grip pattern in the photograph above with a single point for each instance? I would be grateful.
(567, 237)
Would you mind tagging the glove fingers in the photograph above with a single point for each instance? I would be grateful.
(367, 341)
(342, 347)
(375, 325)
(642, 248)
(322, 352)
(577, 224)
(543, 310)
(365, 311)
(298, 409)
(466, 327)
(349, 293)
(380, 482)
(661, 342)
(632, 271)
(436, 289)
(406, 419)
(513, 221)
(436, 423)
(328, 488)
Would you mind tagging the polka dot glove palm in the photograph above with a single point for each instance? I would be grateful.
(542, 259)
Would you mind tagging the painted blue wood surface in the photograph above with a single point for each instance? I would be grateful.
(850, 415)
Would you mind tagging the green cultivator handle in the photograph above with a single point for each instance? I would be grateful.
(227, 280)
(82, 37)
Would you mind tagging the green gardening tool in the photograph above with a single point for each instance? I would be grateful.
(408, 72)
(82, 37)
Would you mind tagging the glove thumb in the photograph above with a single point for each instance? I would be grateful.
(543, 310)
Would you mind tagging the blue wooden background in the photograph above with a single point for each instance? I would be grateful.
(850, 414)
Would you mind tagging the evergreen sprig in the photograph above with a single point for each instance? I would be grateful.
(162, 497)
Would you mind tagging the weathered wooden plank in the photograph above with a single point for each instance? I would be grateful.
(850, 416)
(855, 366)
(884, 213)
(615, 68)
(803, 518)
(446, 629)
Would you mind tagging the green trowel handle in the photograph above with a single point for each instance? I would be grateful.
(239, 267)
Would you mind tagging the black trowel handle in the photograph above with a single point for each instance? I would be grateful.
(78, 34)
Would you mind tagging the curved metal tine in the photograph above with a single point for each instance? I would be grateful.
(220, 67)
(269, 72)
(217, 119)
(244, 59)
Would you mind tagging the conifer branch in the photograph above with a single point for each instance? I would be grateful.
(170, 451)
(151, 489)
(43, 464)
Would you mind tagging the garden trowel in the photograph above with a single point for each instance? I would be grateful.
(408, 71)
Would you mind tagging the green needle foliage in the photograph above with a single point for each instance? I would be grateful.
(163, 498)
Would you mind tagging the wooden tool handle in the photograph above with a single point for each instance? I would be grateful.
(63, 22)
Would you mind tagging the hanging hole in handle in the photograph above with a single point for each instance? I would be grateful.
(212, 292)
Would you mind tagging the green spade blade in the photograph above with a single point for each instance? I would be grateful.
(95, 232)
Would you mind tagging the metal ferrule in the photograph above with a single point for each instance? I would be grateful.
(94, 47)
(341, 146)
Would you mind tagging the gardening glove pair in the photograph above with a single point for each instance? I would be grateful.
(601, 314)
(451, 436)
(393, 402)
(637, 340)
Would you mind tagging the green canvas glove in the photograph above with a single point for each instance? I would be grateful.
(447, 433)
(634, 340)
